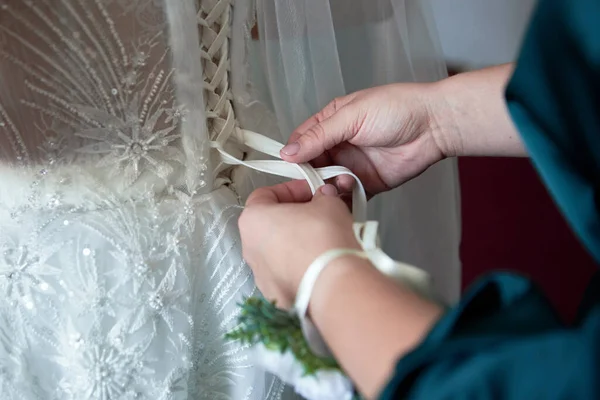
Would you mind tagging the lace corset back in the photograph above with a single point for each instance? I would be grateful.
(91, 83)
(120, 264)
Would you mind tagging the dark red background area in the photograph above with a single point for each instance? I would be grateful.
(510, 222)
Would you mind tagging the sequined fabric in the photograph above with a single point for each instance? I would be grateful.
(120, 264)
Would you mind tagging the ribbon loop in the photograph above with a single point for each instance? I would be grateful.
(315, 177)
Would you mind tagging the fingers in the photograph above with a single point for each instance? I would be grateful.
(327, 190)
(322, 137)
(322, 160)
(313, 139)
(330, 109)
(345, 183)
(288, 192)
(329, 194)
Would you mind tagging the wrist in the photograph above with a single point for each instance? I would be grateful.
(471, 115)
(443, 122)
(348, 267)
(331, 240)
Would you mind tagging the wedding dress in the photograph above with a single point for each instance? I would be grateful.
(120, 261)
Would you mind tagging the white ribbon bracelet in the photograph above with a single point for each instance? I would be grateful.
(365, 231)
(366, 234)
(305, 289)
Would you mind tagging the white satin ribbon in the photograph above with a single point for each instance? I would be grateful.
(314, 176)
(366, 234)
(365, 231)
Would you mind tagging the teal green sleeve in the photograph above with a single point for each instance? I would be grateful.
(554, 100)
(503, 341)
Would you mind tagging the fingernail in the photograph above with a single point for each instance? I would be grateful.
(329, 190)
(291, 149)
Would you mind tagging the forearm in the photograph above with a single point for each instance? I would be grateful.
(368, 321)
(473, 119)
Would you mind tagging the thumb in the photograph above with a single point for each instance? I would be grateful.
(322, 136)
(326, 191)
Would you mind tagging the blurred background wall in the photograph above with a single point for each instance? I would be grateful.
(478, 33)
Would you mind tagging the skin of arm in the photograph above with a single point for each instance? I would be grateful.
(368, 320)
(472, 119)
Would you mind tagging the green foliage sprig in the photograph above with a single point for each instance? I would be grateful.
(262, 322)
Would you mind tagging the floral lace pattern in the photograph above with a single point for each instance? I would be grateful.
(130, 300)
(117, 281)
(89, 93)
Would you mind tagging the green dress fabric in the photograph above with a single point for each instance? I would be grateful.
(504, 340)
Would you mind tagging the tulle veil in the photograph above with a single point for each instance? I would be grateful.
(297, 55)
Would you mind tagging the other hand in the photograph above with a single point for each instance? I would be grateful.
(284, 229)
(385, 135)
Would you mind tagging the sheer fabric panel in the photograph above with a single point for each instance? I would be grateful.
(308, 53)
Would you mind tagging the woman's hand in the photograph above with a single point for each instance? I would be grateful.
(390, 134)
(385, 135)
(283, 231)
